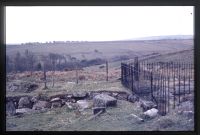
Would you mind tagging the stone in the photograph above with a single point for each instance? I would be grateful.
(57, 99)
(24, 102)
(93, 94)
(57, 102)
(133, 98)
(69, 96)
(147, 105)
(103, 100)
(56, 105)
(114, 94)
(122, 96)
(10, 108)
(63, 101)
(73, 101)
(98, 109)
(41, 104)
(79, 95)
(43, 97)
(151, 113)
(107, 93)
(72, 106)
(34, 99)
(83, 104)
(25, 111)
(69, 105)
(61, 96)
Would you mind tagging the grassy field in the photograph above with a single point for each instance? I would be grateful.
(114, 119)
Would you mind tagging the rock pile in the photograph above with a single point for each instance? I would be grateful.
(75, 101)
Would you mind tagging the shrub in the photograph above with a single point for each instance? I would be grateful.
(82, 77)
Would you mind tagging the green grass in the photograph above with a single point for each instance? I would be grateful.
(114, 119)
(64, 87)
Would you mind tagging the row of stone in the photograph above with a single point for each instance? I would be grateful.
(100, 99)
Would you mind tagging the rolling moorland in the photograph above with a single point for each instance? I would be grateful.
(68, 114)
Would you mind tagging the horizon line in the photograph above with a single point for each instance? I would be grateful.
(130, 39)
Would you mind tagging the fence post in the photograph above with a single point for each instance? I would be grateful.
(45, 77)
(174, 76)
(189, 76)
(168, 80)
(151, 85)
(136, 76)
(184, 78)
(132, 78)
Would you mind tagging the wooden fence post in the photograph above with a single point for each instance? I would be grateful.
(45, 77)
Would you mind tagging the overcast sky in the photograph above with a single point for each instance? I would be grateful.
(98, 23)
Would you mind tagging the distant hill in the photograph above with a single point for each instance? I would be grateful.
(164, 37)
(106, 49)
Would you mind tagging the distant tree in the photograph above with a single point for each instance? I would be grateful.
(65, 60)
(30, 60)
(53, 58)
(69, 57)
(17, 61)
(26, 55)
(83, 56)
(22, 63)
(96, 51)
(39, 66)
(60, 59)
(73, 59)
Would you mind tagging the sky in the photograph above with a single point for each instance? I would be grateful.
(95, 23)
